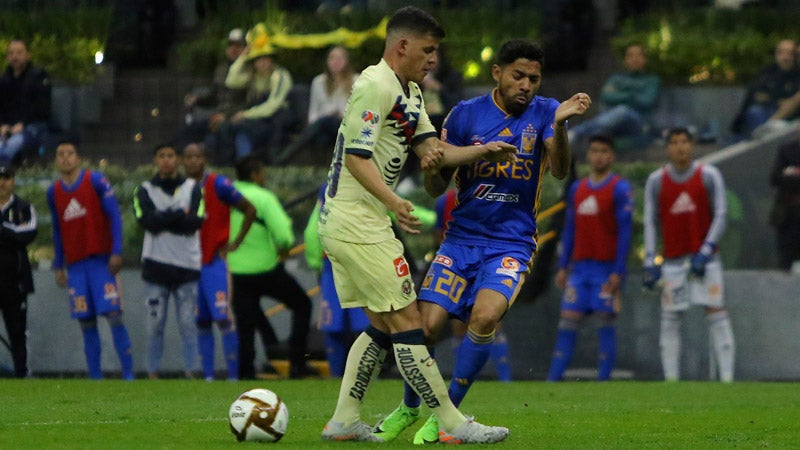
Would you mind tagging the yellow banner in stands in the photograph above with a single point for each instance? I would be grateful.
(259, 36)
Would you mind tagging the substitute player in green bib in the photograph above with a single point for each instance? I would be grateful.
(384, 121)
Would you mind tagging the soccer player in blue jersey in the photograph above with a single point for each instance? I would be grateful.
(490, 243)
(594, 251)
(87, 239)
(384, 121)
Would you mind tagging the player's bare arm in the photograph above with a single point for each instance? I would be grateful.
(365, 172)
(249, 212)
(453, 156)
(558, 147)
(436, 184)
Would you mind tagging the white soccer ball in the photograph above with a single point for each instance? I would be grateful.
(258, 415)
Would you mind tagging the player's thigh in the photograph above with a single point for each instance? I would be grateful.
(213, 292)
(375, 276)
(79, 290)
(448, 282)
(503, 270)
(599, 301)
(675, 293)
(708, 290)
(103, 285)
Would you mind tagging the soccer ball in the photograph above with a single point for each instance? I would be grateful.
(258, 415)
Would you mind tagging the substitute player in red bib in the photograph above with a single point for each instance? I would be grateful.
(685, 202)
(87, 239)
(594, 252)
(213, 292)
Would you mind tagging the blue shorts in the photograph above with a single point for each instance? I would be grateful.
(92, 289)
(332, 318)
(459, 271)
(582, 293)
(213, 289)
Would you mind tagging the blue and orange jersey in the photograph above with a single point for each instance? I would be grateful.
(499, 201)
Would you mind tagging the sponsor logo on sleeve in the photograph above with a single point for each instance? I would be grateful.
(370, 117)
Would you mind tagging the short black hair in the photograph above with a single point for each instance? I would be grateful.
(68, 140)
(515, 49)
(246, 165)
(604, 138)
(679, 130)
(200, 146)
(415, 20)
(165, 145)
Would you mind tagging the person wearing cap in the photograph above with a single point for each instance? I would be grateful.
(262, 122)
(208, 107)
(25, 98)
(17, 229)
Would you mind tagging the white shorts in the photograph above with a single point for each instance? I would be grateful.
(373, 276)
(682, 289)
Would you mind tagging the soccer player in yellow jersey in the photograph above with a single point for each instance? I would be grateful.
(385, 120)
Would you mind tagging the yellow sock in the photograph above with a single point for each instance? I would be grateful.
(421, 372)
(363, 364)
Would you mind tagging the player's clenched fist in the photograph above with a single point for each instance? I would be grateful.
(577, 105)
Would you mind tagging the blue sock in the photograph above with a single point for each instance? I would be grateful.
(205, 344)
(607, 352)
(500, 357)
(230, 346)
(565, 345)
(91, 348)
(122, 343)
(410, 398)
(472, 356)
(336, 353)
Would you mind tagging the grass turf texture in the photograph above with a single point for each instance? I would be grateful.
(66, 413)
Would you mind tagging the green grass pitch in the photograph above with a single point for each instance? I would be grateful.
(165, 414)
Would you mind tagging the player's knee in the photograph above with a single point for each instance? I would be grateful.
(483, 322)
(114, 319)
(87, 323)
(223, 325)
(605, 320)
(569, 323)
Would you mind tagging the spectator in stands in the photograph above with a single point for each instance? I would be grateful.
(18, 224)
(785, 215)
(208, 107)
(267, 115)
(772, 96)
(25, 98)
(627, 100)
(257, 269)
(329, 93)
(170, 208)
